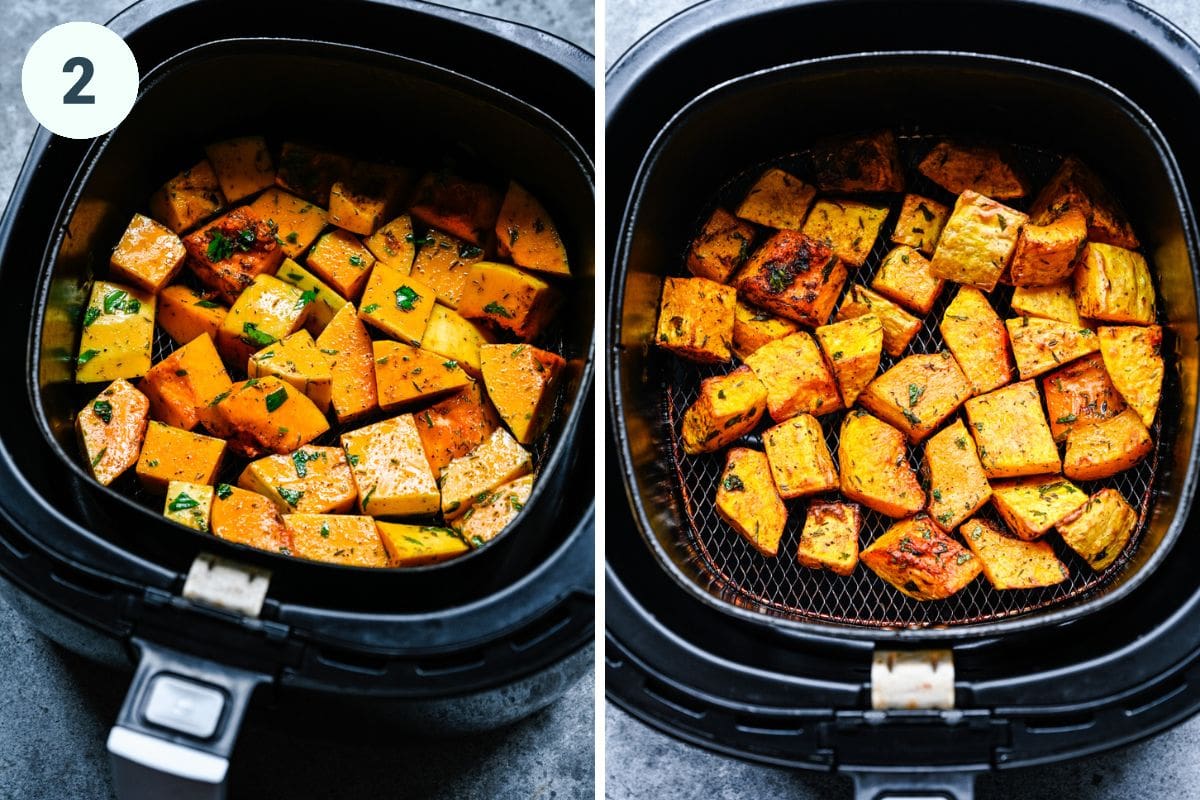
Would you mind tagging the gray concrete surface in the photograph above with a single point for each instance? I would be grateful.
(56, 708)
(642, 763)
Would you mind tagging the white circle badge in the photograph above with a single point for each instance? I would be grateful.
(79, 80)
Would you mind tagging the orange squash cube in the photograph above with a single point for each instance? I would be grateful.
(297, 221)
(390, 470)
(181, 386)
(228, 253)
(185, 313)
(463, 208)
(526, 234)
(267, 415)
(110, 430)
(173, 454)
(243, 166)
(312, 480)
(522, 383)
(351, 541)
(455, 426)
(396, 304)
(188, 198)
(249, 519)
(148, 255)
(269, 310)
(342, 261)
(347, 345)
(405, 375)
(297, 360)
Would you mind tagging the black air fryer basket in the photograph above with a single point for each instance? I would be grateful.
(441, 648)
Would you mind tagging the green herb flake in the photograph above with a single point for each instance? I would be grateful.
(306, 297)
(208, 304)
(86, 356)
(371, 309)
(516, 504)
(182, 502)
(406, 298)
(450, 364)
(733, 483)
(466, 250)
(356, 261)
(497, 309)
(90, 316)
(293, 237)
(324, 530)
(1066, 419)
(99, 456)
(276, 398)
(220, 246)
(224, 490)
(353, 459)
(104, 410)
(252, 335)
(115, 301)
(914, 394)
(290, 496)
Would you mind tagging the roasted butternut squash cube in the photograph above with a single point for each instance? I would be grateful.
(899, 326)
(748, 501)
(297, 221)
(362, 202)
(324, 302)
(468, 479)
(776, 200)
(1078, 394)
(526, 233)
(455, 426)
(920, 223)
(455, 339)
(266, 312)
(341, 260)
(917, 394)
(904, 276)
(1134, 362)
(830, 537)
(118, 334)
(960, 167)
(799, 458)
(418, 545)
(1102, 449)
(1055, 301)
(405, 375)
(181, 386)
(753, 327)
(390, 471)
(853, 348)
(1032, 506)
(722, 246)
(796, 377)
(794, 276)
(847, 227)
(110, 430)
(352, 541)
(394, 244)
(443, 264)
(267, 415)
(173, 454)
(463, 208)
(488, 518)
(921, 561)
(1046, 254)
(1040, 345)
(1113, 284)
(1011, 563)
(396, 304)
(311, 480)
(347, 344)
(957, 486)
(695, 319)
(1075, 186)
(977, 242)
(309, 172)
(1011, 432)
(189, 504)
(522, 383)
(866, 163)
(297, 360)
(185, 313)
(243, 166)
(978, 340)
(188, 198)
(250, 519)
(729, 407)
(149, 255)
(228, 253)
(523, 304)
(874, 466)
(1099, 530)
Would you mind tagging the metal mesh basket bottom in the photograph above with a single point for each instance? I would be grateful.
(738, 574)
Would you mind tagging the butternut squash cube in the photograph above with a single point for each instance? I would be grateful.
(488, 518)
(1046, 254)
(1011, 432)
(463, 208)
(861, 163)
(352, 541)
(297, 360)
(921, 561)
(455, 339)
(418, 545)
(325, 302)
(695, 319)
(361, 202)
(917, 394)
(188, 198)
(396, 304)
(796, 377)
(830, 537)
(309, 172)
(748, 501)
(228, 253)
(394, 244)
(118, 334)
(1011, 563)
(266, 312)
(173, 454)
(978, 340)
(776, 200)
(1054, 301)
(297, 221)
(960, 167)
(899, 326)
(1113, 284)
(526, 233)
(267, 415)
(753, 327)
(1074, 185)
(977, 242)
(1133, 359)
(519, 302)
(1078, 394)
(405, 375)
(249, 519)
(794, 276)
(729, 407)
(467, 479)
(185, 313)
(444, 263)
(1102, 449)
(920, 223)
(390, 471)
(874, 466)
(1040, 345)
(243, 166)
(181, 386)
(148, 255)
(848, 227)
(522, 383)
(311, 480)
(799, 458)
(904, 276)
(341, 260)
(110, 430)
(722, 246)
(852, 348)
(1099, 530)
(957, 486)
(455, 426)
(347, 344)
(1032, 506)
(189, 504)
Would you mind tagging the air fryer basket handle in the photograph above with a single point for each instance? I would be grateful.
(177, 727)
(914, 786)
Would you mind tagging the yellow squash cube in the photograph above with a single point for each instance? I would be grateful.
(920, 223)
(799, 458)
(118, 334)
(1040, 345)
(1011, 432)
(904, 276)
(311, 480)
(500, 459)
(1074, 185)
(512, 300)
(748, 501)
(1100, 529)
(1032, 506)
(148, 255)
(173, 454)
(1046, 254)
(405, 375)
(795, 276)
(753, 327)
(488, 518)
(185, 313)
(418, 545)
(352, 541)
(456, 426)
(722, 245)
(297, 360)
(110, 430)
(978, 340)
(1133, 358)
(859, 163)
(853, 348)
(957, 486)
(347, 345)
(977, 242)
(390, 471)
(899, 326)
(243, 166)
(341, 260)
(396, 304)
(1010, 563)
(1055, 301)
(1101, 449)
(188, 198)
(266, 415)
(297, 222)
(181, 386)
(455, 339)
(830, 537)
(729, 407)
(777, 200)
(1113, 284)
(874, 466)
(849, 227)
(796, 377)
(921, 561)
(917, 394)
(324, 302)
(522, 383)
(361, 202)
(1079, 394)
(189, 504)
(958, 168)
(394, 244)
(695, 319)
(266, 312)
(526, 234)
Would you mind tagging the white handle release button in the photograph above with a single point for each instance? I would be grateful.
(184, 706)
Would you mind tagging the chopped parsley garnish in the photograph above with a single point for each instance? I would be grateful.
(293, 237)
(1066, 419)
(367, 498)
(371, 309)
(86, 356)
(182, 502)
(450, 364)
(353, 459)
(300, 460)
(224, 490)
(290, 496)
(276, 398)
(324, 530)
(912, 418)
(778, 278)
(103, 409)
(252, 335)
(516, 504)
(497, 309)
(99, 456)
(208, 304)
(356, 260)
(306, 297)
(406, 298)
(246, 238)
(220, 246)
(90, 316)
(115, 301)
(733, 483)
(914, 394)
(469, 251)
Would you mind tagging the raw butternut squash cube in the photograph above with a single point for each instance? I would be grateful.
(753, 327)
(488, 518)
(899, 326)
(852, 348)
(1133, 359)
(522, 383)
(467, 479)
(455, 339)
(1074, 185)
(266, 312)
(418, 545)
(920, 223)
(148, 255)
(463, 208)
(722, 246)
(188, 198)
(189, 504)
(917, 394)
(799, 458)
(181, 386)
(794, 276)
(695, 319)
(118, 334)
(830, 537)
(110, 430)
(297, 222)
(957, 486)
(1054, 301)
(267, 415)
(396, 304)
(748, 501)
(362, 202)
(864, 163)
(1113, 284)
(978, 340)
(347, 344)
(309, 172)
(1011, 563)
(341, 260)
(173, 454)
(311, 480)
(796, 377)
(729, 407)
(960, 167)
(1046, 254)
(405, 375)
(352, 541)
(243, 166)
(1032, 506)
(1040, 345)
(921, 561)
(394, 244)
(443, 264)
(297, 360)
(1100, 529)
(904, 276)
(875, 470)
(185, 313)
(391, 473)
(776, 200)
(455, 426)
(1102, 449)
(250, 519)
(521, 303)
(1078, 394)
(325, 301)
(526, 233)
(228, 253)
(1011, 432)
(977, 242)
(848, 227)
